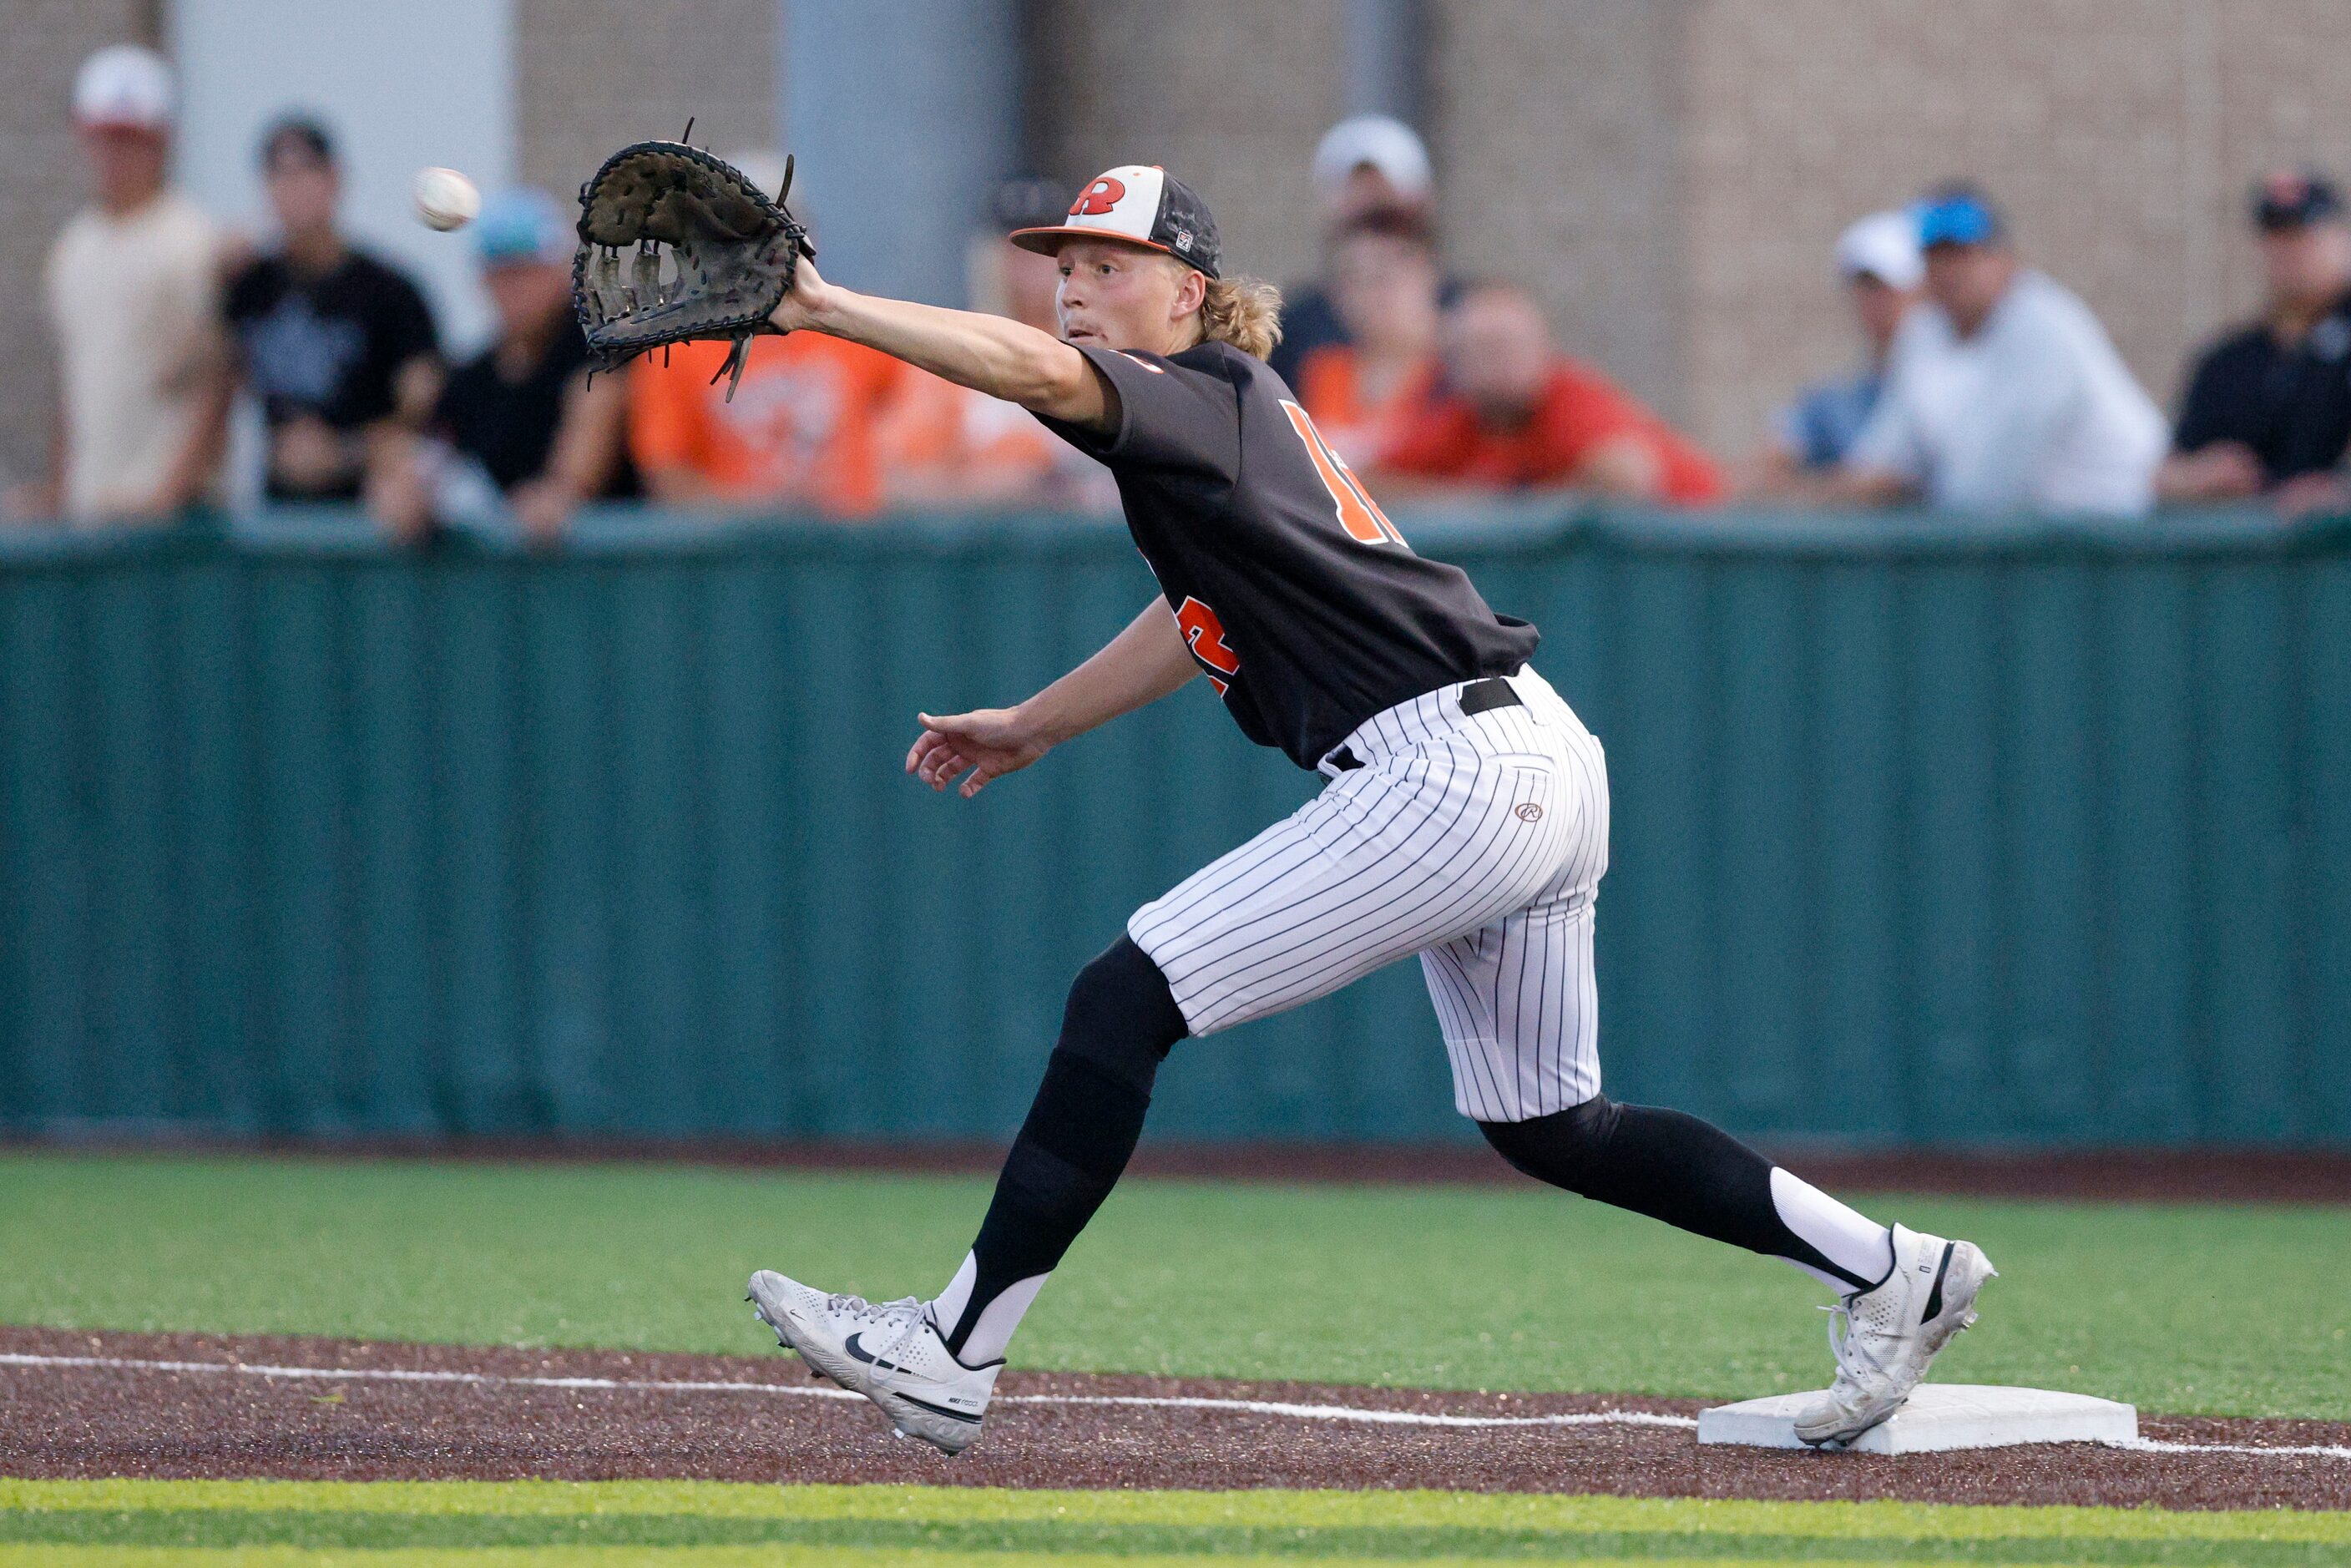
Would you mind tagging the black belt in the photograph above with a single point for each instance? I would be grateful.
(1484, 696)
(1476, 698)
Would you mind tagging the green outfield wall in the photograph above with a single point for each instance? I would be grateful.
(1927, 831)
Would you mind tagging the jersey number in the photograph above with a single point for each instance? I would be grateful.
(1205, 636)
(1358, 513)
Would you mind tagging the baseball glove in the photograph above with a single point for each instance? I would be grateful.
(712, 256)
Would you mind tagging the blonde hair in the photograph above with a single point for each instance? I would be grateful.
(1243, 312)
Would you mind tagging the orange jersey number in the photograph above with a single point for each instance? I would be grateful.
(1205, 636)
(1358, 513)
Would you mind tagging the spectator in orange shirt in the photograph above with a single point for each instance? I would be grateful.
(801, 432)
(1365, 391)
(943, 444)
(1513, 414)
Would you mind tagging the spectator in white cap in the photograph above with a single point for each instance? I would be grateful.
(1368, 163)
(132, 288)
(1877, 261)
(1371, 161)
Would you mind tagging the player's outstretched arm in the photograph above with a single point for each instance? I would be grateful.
(1002, 358)
(1140, 665)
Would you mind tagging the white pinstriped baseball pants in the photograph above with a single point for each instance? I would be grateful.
(1476, 842)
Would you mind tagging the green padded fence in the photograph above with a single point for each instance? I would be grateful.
(1927, 831)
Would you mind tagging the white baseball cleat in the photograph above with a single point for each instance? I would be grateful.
(890, 1352)
(1892, 1332)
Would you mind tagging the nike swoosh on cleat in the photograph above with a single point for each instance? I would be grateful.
(862, 1353)
(1935, 1296)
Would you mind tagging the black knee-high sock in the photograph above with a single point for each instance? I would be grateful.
(1119, 1025)
(1670, 1166)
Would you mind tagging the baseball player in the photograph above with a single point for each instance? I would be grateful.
(1464, 820)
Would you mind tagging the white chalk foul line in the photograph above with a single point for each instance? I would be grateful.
(401, 1374)
(1356, 1413)
(1245, 1407)
(2301, 1450)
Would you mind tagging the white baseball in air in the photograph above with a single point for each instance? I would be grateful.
(445, 199)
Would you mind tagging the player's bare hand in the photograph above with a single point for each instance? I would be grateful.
(2308, 495)
(2221, 471)
(986, 743)
(805, 302)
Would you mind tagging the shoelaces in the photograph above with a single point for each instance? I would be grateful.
(906, 1310)
(1854, 1363)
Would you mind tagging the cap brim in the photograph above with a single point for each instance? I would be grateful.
(1048, 242)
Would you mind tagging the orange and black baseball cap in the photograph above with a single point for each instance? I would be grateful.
(1141, 205)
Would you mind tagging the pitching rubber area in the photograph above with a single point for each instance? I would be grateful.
(88, 1405)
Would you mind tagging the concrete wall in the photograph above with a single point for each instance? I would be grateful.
(401, 89)
(1555, 128)
(1224, 95)
(593, 76)
(41, 184)
(1668, 175)
(2120, 134)
(902, 145)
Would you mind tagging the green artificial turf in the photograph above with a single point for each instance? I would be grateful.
(2239, 1310)
(397, 1524)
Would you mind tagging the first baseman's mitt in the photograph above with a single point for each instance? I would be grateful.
(712, 255)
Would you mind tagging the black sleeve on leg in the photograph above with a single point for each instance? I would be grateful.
(1560, 1149)
(1664, 1163)
(1122, 1016)
(1120, 1022)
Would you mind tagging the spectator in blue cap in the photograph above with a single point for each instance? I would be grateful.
(519, 428)
(2268, 407)
(2002, 392)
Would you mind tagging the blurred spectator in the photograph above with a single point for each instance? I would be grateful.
(1367, 163)
(942, 445)
(2002, 391)
(134, 294)
(1365, 391)
(1514, 416)
(2269, 408)
(523, 419)
(802, 432)
(1877, 261)
(339, 346)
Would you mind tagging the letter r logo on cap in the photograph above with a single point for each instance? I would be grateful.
(1099, 198)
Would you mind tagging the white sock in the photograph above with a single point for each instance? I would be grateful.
(992, 1334)
(1852, 1241)
(947, 1307)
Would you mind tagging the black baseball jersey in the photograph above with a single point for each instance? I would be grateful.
(1302, 605)
(2291, 405)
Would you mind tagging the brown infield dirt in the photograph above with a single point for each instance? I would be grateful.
(96, 1421)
